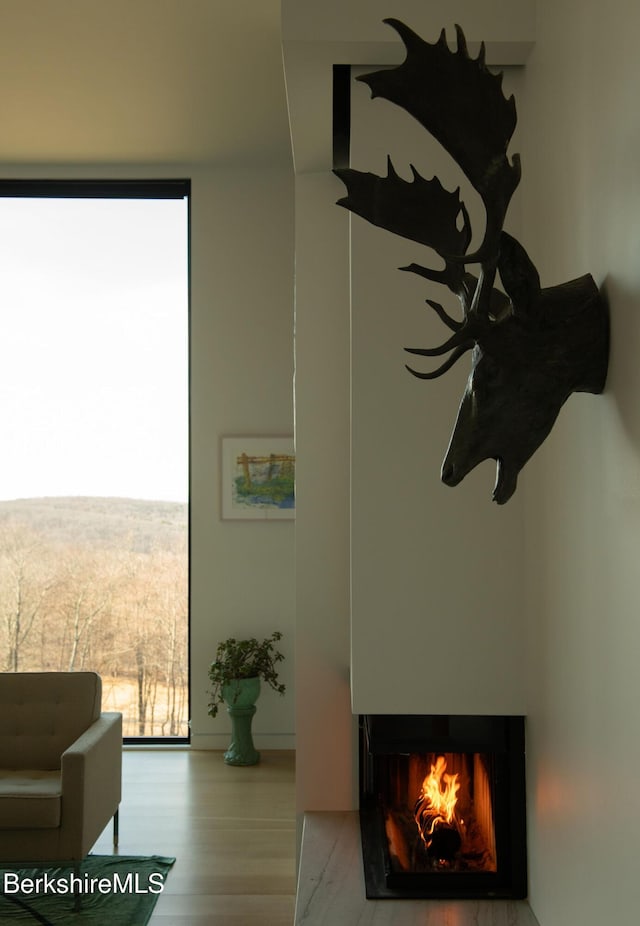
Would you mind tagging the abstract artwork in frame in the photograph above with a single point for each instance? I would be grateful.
(258, 478)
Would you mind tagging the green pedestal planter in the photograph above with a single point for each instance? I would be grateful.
(240, 696)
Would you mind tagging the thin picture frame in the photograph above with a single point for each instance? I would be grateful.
(258, 478)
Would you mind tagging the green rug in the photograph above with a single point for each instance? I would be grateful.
(115, 890)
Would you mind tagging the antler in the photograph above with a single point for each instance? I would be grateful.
(422, 210)
(458, 118)
(468, 332)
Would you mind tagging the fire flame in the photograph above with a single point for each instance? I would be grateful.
(437, 801)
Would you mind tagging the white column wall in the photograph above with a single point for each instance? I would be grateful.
(326, 771)
(316, 36)
(436, 572)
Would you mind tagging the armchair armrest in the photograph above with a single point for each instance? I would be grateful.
(91, 772)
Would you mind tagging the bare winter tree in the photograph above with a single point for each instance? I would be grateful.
(84, 599)
(24, 588)
(172, 624)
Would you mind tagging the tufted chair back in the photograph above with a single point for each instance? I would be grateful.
(43, 713)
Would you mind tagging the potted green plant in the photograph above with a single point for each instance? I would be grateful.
(235, 676)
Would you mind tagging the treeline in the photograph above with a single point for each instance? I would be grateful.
(68, 606)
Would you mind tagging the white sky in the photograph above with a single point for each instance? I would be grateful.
(93, 348)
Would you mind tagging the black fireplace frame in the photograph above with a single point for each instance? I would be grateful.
(503, 737)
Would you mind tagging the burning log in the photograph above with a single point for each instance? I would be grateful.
(445, 843)
(435, 813)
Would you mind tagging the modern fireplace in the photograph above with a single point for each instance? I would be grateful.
(442, 806)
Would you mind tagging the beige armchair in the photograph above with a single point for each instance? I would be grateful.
(60, 765)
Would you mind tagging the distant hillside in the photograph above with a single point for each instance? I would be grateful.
(122, 523)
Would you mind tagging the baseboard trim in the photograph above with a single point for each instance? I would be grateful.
(220, 741)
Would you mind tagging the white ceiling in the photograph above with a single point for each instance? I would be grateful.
(131, 81)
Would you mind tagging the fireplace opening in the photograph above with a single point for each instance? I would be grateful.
(442, 808)
(439, 813)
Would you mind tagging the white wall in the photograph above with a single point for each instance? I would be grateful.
(242, 572)
(243, 581)
(581, 185)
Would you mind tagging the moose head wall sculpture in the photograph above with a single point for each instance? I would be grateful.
(531, 347)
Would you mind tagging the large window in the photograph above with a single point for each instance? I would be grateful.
(94, 422)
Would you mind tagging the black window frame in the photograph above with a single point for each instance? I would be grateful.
(135, 188)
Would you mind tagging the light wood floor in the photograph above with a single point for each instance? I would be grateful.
(232, 831)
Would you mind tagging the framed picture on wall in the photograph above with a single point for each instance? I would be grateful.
(258, 478)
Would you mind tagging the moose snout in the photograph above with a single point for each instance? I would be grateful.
(449, 474)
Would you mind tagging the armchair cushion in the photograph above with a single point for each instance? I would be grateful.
(30, 799)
